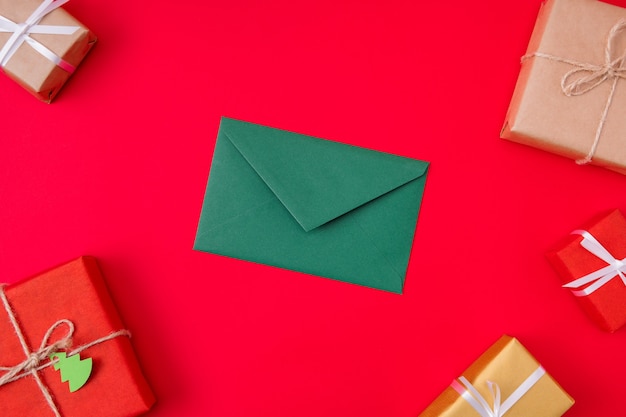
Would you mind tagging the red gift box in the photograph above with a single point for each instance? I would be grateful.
(71, 295)
(591, 262)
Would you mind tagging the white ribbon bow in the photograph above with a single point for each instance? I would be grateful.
(470, 394)
(21, 33)
(600, 277)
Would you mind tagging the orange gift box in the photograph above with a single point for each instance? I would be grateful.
(75, 295)
(505, 380)
(591, 261)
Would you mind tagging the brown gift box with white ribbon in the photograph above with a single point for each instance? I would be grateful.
(30, 64)
(571, 90)
(505, 380)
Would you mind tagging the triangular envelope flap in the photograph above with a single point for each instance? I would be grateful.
(315, 179)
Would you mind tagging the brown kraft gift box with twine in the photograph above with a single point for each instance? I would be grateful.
(571, 90)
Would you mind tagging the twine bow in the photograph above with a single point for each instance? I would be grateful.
(36, 361)
(615, 267)
(470, 394)
(586, 76)
(612, 69)
(21, 33)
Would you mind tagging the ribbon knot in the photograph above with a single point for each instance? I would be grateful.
(21, 28)
(21, 31)
(470, 394)
(32, 362)
(615, 267)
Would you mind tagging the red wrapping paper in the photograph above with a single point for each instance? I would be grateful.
(605, 306)
(75, 291)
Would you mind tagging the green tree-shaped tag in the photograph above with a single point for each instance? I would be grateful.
(73, 369)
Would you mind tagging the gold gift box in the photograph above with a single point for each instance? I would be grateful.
(31, 69)
(508, 364)
(561, 113)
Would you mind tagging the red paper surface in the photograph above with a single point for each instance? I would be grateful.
(117, 166)
(76, 292)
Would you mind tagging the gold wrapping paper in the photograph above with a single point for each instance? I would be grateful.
(28, 67)
(508, 364)
(541, 114)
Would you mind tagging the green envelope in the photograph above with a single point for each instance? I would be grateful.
(311, 205)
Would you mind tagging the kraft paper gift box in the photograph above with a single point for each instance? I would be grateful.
(41, 44)
(591, 263)
(505, 380)
(72, 304)
(311, 205)
(571, 90)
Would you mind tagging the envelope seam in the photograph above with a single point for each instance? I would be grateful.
(366, 202)
(413, 177)
(265, 182)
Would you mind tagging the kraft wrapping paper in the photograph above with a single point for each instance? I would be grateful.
(28, 67)
(541, 114)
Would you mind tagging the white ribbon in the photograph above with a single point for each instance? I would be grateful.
(21, 33)
(470, 394)
(600, 277)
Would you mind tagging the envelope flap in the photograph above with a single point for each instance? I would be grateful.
(315, 179)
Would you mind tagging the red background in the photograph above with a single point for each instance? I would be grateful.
(117, 167)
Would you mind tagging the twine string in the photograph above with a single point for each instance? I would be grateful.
(38, 360)
(34, 359)
(585, 77)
